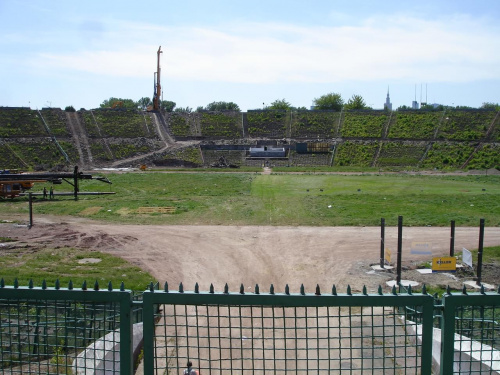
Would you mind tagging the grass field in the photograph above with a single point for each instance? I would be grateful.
(278, 199)
(67, 264)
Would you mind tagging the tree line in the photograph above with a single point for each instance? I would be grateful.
(331, 101)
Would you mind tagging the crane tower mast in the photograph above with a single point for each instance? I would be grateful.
(157, 92)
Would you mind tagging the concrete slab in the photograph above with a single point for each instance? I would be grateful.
(474, 285)
(424, 271)
(378, 268)
(406, 283)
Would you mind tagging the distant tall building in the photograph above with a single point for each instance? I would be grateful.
(414, 105)
(388, 104)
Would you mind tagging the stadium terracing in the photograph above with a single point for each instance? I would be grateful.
(50, 138)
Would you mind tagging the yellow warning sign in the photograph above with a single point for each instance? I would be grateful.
(444, 264)
(387, 255)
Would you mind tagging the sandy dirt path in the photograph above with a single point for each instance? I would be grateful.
(250, 255)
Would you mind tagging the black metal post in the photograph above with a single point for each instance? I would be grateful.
(75, 182)
(452, 239)
(400, 248)
(382, 242)
(480, 251)
(30, 205)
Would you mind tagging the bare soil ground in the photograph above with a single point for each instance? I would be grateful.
(252, 255)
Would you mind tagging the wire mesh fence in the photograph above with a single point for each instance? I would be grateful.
(64, 331)
(471, 333)
(287, 334)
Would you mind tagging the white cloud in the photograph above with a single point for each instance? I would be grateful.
(454, 49)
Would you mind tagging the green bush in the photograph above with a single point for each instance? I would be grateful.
(363, 124)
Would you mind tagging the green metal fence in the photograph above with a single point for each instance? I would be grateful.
(257, 333)
(64, 331)
(48, 330)
(471, 333)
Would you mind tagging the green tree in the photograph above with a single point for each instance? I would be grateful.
(280, 104)
(69, 108)
(144, 102)
(331, 101)
(167, 105)
(404, 108)
(119, 103)
(222, 106)
(181, 109)
(355, 102)
(488, 105)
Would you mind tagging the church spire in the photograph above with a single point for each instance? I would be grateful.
(388, 104)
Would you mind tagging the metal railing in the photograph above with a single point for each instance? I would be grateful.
(257, 333)
(48, 330)
(76, 330)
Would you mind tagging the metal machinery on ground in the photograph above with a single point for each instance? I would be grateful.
(13, 184)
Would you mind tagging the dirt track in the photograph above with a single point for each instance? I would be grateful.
(250, 254)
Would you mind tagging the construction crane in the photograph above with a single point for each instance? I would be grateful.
(157, 85)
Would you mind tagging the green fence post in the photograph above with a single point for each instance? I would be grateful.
(126, 335)
(148, 332)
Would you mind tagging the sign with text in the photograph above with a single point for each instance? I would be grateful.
(421, 248)
(444, 264)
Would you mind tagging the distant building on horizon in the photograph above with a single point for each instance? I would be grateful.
(388, 104)
(414, 105)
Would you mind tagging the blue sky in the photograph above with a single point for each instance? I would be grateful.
(58, 53)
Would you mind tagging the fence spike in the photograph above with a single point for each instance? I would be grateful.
(212, 288)
(448, 290)
(464, 290)
(44, 284)
(498, 290)
(96, 285)
(16, 283)
(181, 288)
(349, 290)
(84, 285)
(271, 289)
(30, 284)
(226, 289)
(318, 291)
(110, 287)
(380, 292)
(242, 289)
(257, 289)
(165, 287)
(70, 285)
(2, 283)
(122, 287)
(394, 291)
(365, 292)
(196, 288)
(424, 289)
(334, 290)
(57, 284)
(151, 287)
(287, 290)
(482, 289)
(409, 290)
(302, 289)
